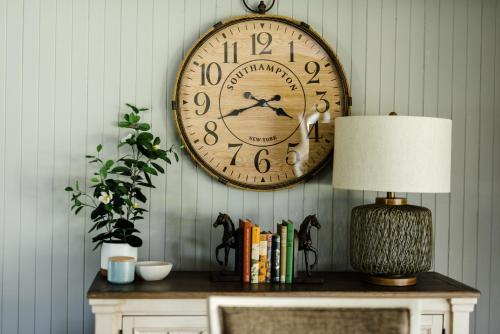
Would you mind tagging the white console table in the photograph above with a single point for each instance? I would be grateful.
(178, 303)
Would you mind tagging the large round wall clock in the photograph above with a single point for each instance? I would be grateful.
(255, 101)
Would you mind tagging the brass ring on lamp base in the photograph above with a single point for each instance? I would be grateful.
(391, 281)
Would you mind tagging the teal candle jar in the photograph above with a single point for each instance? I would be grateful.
(121, 269)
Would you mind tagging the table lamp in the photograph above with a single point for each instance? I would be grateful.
(390, 240)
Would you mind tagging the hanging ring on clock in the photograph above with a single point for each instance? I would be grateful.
(261, 8)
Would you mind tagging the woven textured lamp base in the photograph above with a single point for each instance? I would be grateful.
(391, 242)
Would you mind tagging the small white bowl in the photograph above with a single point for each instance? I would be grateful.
(153, 270)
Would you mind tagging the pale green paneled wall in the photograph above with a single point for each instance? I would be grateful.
(67, 68)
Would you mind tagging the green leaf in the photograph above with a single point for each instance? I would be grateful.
(99, 148)
(156, 141)
(149, 170)
(143, 126)
(103, 173)
(144, 138)
(98, 212)
(68, 189)
(134, 241)
(121, 169)
(134, 108)
(176, 156)
(108, 164)
(123, 223)
(123, 124)
(143, 109)
(134, 118)
(78, 210)
(148, 179)
(158, 167)
(148, 185)
(95, 179)
(140, 196)
(89, 156)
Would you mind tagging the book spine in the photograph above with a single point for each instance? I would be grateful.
(275, 277)
(263, 258)
(289, 252)
(269, 236)
(254, 264)
(247, 245)
(283, 253)
(295, 255)
(238, 259)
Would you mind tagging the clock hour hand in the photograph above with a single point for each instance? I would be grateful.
(279, 111)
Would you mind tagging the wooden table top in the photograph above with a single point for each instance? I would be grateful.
(194, 285)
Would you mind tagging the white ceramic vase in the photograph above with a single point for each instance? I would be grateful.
(109, 249)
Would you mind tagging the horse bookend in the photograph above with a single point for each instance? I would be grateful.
(306, 245)
(229, 241)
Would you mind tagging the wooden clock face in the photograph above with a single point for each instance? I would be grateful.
(256, 99)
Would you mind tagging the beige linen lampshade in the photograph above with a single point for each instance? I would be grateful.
(392, 154)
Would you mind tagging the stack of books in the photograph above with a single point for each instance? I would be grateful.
(266, 257)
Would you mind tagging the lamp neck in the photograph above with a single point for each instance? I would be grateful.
(391, 199)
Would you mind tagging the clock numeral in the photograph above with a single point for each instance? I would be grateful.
(262, 165)
(204, 102)
(315, 128)
(210, 133)
(264, 39)
(235, 52)
(292, 58)
(327, 104)
(233, 160)
(206, 75)
(295, 157)
(314, 71)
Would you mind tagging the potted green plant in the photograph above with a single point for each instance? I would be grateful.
(116, 197)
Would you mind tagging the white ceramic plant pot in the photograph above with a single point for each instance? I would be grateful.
(109, 249)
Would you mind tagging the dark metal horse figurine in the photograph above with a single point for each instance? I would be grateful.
(305, 242)
(228, 238)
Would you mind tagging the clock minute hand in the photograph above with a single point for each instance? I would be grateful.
(236, 112)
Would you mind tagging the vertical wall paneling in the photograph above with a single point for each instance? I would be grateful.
(459, 100)
(174, 176)
(62, 120)
(3, 139)
(495, 231)
(144, 97)
(45, 166)
(78, 137)
(471, 166)
(30, 59)
(67, 68)
(485, 192)
(445, 79)
(157, 203)
(430, 87)
(13, 101)
(95, 116)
